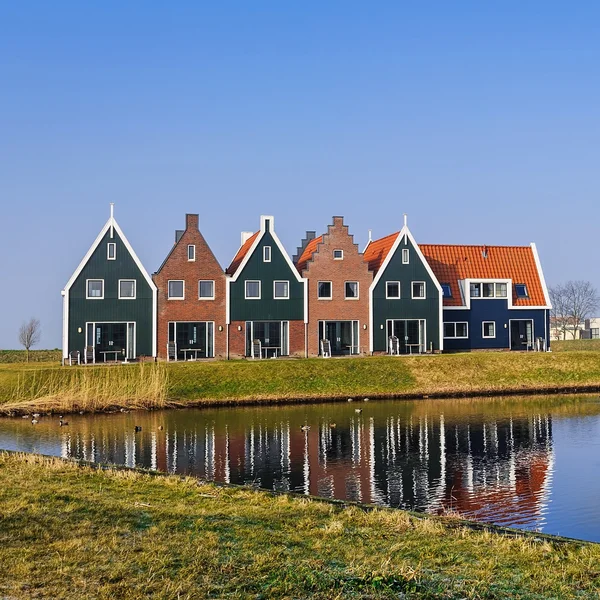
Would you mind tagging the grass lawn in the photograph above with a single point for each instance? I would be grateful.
(74, 532)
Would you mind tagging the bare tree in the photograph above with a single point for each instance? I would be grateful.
(29, 334)
(572, 303)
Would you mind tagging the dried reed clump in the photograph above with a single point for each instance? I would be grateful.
(144, 385)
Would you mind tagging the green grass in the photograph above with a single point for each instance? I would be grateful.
(74, 532)
(47, 387)
(37, 356)
(576, 345)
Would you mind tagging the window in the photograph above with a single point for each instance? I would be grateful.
(405, 256)
(111, 251)
(489, 329)
(351, 288)
(500, 290)
(595, 333)
(338, 255)
(95, 289)
(392, 289)
(324, 290)
(521, 290)
(191, 252)
(126, 289)
(475, 290)
(456, 330)
(206, 289)
(488, 290)
(176, 290)
(418, 289)
(252, 290)
(281, 290)
(266, 253)
(446, 290)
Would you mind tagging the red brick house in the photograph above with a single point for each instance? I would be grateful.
(191, 299)
(338, 290)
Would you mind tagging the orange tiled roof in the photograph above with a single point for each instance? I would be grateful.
(377, 250)
(453, 263)
(241, 253)
(310, 249)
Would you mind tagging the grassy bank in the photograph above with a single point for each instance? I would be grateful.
(73, 532)
(27, 387)
(576, 345)
(35, 356)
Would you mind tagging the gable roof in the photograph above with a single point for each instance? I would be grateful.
(307, 255)
(452, 263)
(241, 254)
(377, 250)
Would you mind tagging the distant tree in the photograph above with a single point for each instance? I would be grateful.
(572, 303)
(29, 334)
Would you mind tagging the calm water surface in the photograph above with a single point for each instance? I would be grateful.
(533, 463)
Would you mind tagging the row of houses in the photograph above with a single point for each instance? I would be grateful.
(328, 299)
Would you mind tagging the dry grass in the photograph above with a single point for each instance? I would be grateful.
(74, 532)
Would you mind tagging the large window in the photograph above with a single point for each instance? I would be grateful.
(595, 333)
(418, 290)
(489, 329)
(324, 290)
(252, 290)
(392, 290)
(281, 290)
(351, 288)
(206, 289)
(176, 289)
(488, 289)
(456, 330)
(95, 289)
(126, 289)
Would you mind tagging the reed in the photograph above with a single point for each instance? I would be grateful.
(91, 389)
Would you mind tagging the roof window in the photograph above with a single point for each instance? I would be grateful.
(521, 290)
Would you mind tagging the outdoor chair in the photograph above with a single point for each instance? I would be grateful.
(171, 351)
(393, 346)
(325, 348)
(89, 355)
(256, 349)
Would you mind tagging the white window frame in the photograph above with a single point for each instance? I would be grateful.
(267, 253)
(246, 282)
(455, 337)
(108, 246)
(483, 324)
(495, 283)
(212, 297)
(169, 297)
(330, 297)
(387, 296)
(357, 291)
(412, 290)
(275, 297)
(405, 256)
(134, 290)
(338, 257)
(87, 290)
(191, 247)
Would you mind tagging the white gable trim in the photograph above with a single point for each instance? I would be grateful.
(538, 265)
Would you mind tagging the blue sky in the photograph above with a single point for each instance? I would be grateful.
(478, 119)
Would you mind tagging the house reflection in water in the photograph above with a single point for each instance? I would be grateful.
(490, 469)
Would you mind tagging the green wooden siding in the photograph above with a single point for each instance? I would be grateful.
(111, 309)
(267, 308)
(405, 307)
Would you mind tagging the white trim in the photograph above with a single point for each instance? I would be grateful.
(169, 297)
(87, 289)
(127, 323)
(108, 245)
(265, 259)
(227, 314)
(406, 252)
(399, 296)
(357, 297)
(337, 257)
(538, 264)
(193, 323)
(488, 337)
(213, 289)
(193, 259)
(456, 337)
(134, 297)
(65, 324)
(246, 282)
(412, 291)
(330, 297)
(275, 282)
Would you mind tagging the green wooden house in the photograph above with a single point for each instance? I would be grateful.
(405, 297)
(109, 303)
(267, 307)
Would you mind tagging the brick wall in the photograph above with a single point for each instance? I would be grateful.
(323, 267)
(177, 266)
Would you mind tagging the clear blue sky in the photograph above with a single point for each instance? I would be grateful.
(478, 119)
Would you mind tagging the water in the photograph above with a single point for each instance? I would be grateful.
(527, 463)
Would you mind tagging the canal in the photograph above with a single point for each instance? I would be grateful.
(530, 463)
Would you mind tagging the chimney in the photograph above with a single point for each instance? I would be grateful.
(191, 221)
(246, 235)
(178, 235)
(310, 235)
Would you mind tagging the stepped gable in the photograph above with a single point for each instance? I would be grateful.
(307, 255)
